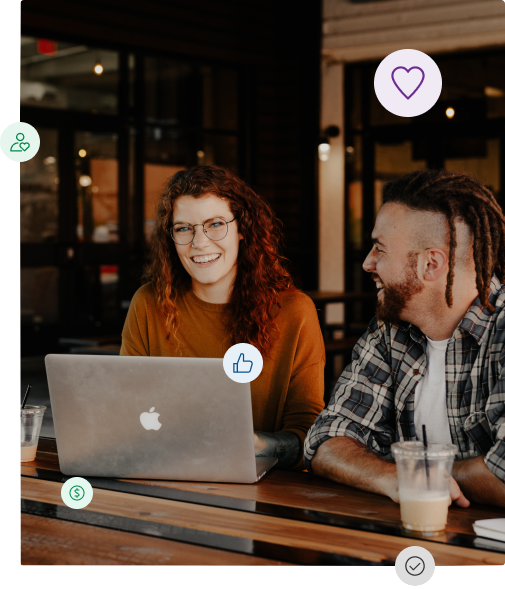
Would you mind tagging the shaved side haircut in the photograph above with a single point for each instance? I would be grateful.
(460, 198)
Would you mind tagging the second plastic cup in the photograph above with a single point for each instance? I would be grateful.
(424, 476)
(31, 422)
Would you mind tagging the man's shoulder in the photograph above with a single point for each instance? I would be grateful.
(499, 303)
(499, 316)
(480, 319)
(496, 292)
(387, 331)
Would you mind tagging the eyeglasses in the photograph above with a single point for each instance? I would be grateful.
(215, 229)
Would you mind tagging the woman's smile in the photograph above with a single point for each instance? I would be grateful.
(203, 261)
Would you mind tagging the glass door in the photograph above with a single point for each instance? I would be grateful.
(74, 247)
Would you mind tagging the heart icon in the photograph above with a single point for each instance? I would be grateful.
(407, 81)
(24, 146)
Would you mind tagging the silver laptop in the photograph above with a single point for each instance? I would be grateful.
(152, 418)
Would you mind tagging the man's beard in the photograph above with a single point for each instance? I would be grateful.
(396, 296)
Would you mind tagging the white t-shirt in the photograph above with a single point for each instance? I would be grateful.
(430, 397)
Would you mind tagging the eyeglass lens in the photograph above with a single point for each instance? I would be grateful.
(215, 229)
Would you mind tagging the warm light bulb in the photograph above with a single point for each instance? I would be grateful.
(82, 152)
(324, 151)
(85, 181)
(450, 112)
(98, 69)
(494, 92)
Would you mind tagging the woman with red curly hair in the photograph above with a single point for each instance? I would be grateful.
(215, 279)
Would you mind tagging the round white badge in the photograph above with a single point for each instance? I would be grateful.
(415, 565)
(243, 363)
(20, 142)
(77, 493)
(408, 83)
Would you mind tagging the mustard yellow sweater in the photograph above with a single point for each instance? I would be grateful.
(286, 396)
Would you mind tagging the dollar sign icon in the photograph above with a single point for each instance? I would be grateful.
(76, 493)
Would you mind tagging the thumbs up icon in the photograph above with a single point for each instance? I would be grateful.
(237, 368)
(242, 366)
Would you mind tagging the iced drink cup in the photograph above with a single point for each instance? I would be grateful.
(424, 476)
(31, 421)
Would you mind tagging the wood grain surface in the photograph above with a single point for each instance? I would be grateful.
(304, 491)
(358, 544)
(48, 541)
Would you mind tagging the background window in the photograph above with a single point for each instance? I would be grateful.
(221, 150)
(97, 186)
(39, 295)
(155, 179)
(220, 98)
(39, 192)
(62, 75)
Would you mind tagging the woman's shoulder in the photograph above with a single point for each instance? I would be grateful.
(145, 297)
(297, 304)
(298, 319)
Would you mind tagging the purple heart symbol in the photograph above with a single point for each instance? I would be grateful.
(408, 72)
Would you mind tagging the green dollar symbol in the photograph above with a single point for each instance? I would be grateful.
(78, 493)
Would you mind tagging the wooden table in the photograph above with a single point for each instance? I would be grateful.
(287, 518)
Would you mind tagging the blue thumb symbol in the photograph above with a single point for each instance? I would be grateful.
(239, 366)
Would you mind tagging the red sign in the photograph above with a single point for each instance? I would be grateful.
(46, 47)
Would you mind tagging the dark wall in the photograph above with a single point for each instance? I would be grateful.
(278, 41)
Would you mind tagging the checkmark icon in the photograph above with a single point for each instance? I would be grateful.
(415, 566)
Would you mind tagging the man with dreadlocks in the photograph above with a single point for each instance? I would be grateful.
(434, 354)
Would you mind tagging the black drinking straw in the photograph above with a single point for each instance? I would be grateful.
(425, 442)
(26, 396)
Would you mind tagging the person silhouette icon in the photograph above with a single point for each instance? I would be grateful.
(19, 142)
(21, 146)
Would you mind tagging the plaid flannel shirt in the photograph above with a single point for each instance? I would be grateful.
(373, 400)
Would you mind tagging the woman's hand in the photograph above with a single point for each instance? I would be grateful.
(285, 446)
(259, 444)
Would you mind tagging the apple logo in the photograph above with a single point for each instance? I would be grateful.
(150, 420)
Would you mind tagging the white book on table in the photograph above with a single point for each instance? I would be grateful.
(490, 528)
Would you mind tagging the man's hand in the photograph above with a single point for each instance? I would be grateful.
(389, 488)
(478, 482)
(350, 462)
(456, 494)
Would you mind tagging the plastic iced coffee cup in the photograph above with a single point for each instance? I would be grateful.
(424, 476)
(31, 421)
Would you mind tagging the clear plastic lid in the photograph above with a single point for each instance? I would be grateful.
(33, 410)
(416, 449)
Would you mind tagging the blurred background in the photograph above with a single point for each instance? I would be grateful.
(124, 94)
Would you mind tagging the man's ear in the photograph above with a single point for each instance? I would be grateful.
(436, 263)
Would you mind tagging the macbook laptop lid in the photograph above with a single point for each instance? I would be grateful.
(152, 418)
